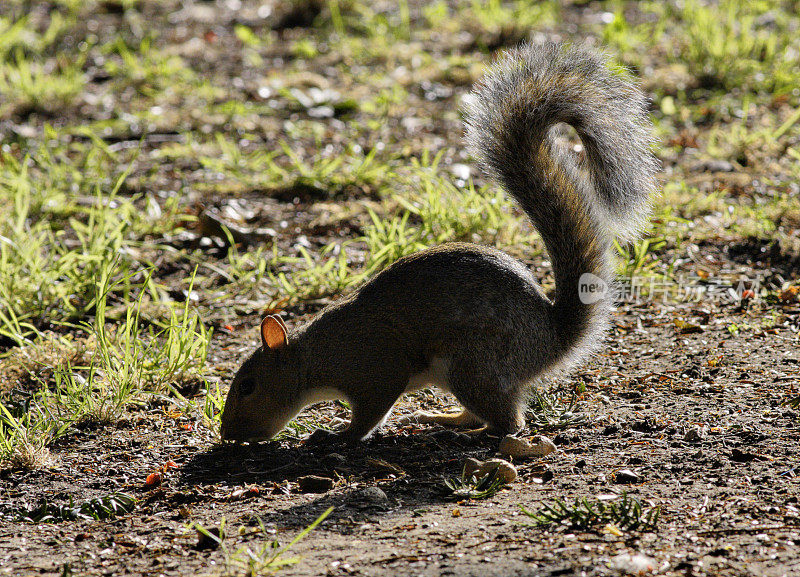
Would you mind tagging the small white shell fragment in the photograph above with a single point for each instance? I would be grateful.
(461, 171)
(695, 434)
(632, 564)
(505, 470)
(537, 446)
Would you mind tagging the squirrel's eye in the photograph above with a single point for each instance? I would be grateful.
(246, 386)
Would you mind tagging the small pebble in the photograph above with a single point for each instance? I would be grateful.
(626, 477)
(334, 460)
(716, 166)
(446, 436)
(479, 469)
(740, 456)
(694, 434)
(633, 564)
(369, 496)
(314, 484)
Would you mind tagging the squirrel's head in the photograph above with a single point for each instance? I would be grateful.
(261, 400)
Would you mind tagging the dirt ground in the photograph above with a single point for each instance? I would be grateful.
(729, 497)
(686, 399)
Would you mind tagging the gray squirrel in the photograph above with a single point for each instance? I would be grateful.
(470, 319)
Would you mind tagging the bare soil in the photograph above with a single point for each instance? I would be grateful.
(729, 499)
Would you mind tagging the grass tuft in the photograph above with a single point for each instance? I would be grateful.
(548, 410)
(627, 514)
(31, 86)
(740, 45)
(458, 488)
(26, 429)
(264, 559)
(98, 509)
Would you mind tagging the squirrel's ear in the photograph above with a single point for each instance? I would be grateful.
(273, 333)
(280, 320)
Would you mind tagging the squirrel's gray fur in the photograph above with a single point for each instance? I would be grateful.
(469, 318)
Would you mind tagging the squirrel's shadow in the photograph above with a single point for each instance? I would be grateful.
(417, 457)
(373, 478)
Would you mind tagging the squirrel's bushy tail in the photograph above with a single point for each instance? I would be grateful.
(578, 203)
